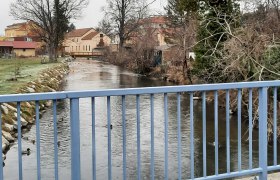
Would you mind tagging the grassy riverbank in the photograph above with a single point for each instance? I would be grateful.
(26, 76)
(15, 73)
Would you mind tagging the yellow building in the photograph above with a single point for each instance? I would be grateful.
(20, 30)
(2, 38)
(16, 30)
(83, 41)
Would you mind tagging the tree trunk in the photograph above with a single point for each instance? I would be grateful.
(52, 53)
(122, 24)
(186, 70)
(121, 42)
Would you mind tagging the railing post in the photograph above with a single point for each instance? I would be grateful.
(75, 140)
(263, 132)
(1, 159)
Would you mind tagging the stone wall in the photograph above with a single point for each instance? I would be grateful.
(49, 80)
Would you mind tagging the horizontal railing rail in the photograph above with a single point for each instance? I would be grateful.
(263, 96)
(135, 91)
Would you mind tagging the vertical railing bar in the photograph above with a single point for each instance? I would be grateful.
(75, 140)
(192, 135)
(124, 136)
(93, 139)
(19, 141)
(165, 136)
(1, 150)
(228, 130)
(239, 129)
(250, 128)
(275, 126)
(38, 140)
(263, 132)
(138, 138)
(204, 133)
(109, 137)
(216, 133)
(179, 135)
(152, 138)
(55, 138)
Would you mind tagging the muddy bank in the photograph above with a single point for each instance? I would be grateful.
(49, 80)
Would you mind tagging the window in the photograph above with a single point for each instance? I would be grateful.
(83, 47)
(28, 39)
(23, 50)
(79, 48)
(86, 47)
(76, 48)
(89, 48)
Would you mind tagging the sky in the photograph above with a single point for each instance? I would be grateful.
(91, 15)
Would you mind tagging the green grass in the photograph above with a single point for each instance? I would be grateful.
(29, 70)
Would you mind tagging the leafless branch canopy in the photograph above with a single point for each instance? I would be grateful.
(41, 14)
(125, 16)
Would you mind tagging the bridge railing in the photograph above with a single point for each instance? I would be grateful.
(263, 94)
(87, 54)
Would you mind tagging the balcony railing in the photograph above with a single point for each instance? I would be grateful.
(265, 91)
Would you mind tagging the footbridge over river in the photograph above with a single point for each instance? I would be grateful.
(94, 54)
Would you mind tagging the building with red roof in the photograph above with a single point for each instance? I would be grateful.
(18, 48)
(22, 34)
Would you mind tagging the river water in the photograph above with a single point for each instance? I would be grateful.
(90, 75)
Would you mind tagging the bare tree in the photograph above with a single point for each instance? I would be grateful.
(47, 16)
(183, 33)
(125, 15)
(140, 57)
(250, 53)
(105, 26)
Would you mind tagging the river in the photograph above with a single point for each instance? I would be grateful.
(90, 75)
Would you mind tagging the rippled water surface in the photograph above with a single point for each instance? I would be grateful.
(90, 75)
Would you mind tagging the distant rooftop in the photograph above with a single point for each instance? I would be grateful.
(78, 32)
(155, 19)
(15, 25)
(90, 35)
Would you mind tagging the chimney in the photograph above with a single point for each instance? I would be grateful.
(101, 42)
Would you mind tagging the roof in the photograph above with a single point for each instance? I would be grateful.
(24, 45)
(164, 47)
(155, 20)
(90, 35)
(6, 44)
(158, 19)
(16, 25)
(18, 44)
(78, 32)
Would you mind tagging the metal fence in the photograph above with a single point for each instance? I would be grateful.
(265, 90)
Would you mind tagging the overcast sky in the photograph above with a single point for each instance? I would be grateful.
(91, 15)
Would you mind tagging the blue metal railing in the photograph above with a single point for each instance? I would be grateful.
(74, 98)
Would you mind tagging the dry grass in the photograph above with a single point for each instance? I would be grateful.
(27, 70)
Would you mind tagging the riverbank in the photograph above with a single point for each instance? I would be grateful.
(44, 78)
(170, 72)
(18, 72)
